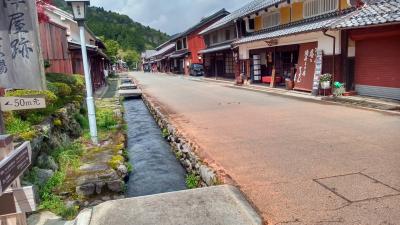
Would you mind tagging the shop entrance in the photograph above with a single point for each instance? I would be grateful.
(281, 60)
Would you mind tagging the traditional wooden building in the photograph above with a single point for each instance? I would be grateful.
(371, 49)
(189, 44)
(218, 56)
(280, 40)
(61, 49)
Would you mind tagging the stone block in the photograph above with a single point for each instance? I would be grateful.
(85, 190)
(207, 175)
(115, 185)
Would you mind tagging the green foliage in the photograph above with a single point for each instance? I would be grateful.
(52, 202)
(129, 167)
(20, 128)
(15, 125)
(105, 118)
(165, 133)
(112, 48)
(325, 77)
(82, 120)
(192, 181)
(63, 89)
(75, 82)
(131, 57)
(129, 34)
(68, 156)
(47, 64)
(115, 161)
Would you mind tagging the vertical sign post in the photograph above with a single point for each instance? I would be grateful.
(21, 62)
(318, 71)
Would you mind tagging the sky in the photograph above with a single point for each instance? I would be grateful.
(170, 16)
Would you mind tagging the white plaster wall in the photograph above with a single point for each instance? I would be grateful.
(325, 43)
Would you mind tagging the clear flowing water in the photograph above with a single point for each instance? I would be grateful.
(155, 168)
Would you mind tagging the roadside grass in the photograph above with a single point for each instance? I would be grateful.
(68, 158)
(192, 181)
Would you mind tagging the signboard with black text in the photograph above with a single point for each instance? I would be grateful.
(20, 103)
(14, 165)
(21, 63)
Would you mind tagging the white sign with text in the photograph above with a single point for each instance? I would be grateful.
(21, 103)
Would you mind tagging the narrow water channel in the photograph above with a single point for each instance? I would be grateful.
(155, 168)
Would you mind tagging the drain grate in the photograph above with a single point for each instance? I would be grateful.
(357, 187)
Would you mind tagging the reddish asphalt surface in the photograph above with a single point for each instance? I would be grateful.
(298, 162)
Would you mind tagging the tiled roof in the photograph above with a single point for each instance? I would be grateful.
(164, 50)
(148, 53)
(249, 8)
(307, 25)
(204, 21)
(372, 13)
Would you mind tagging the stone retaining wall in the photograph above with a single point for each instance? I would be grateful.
(183, 148)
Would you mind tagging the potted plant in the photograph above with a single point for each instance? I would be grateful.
(325, 81)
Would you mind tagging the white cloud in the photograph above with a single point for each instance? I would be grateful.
(170, 16)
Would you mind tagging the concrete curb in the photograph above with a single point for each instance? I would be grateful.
(217, 205)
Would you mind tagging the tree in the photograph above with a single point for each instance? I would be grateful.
(112, 48)
(131, 57)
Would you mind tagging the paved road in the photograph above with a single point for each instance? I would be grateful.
(299, 162)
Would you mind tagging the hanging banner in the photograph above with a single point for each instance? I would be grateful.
(21, 65)
(304, 76)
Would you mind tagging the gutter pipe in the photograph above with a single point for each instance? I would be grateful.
(334, 52)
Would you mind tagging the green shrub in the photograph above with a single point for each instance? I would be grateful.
(192, 181)
(63, 89)
(115, 161)
(79, 81)
(82, 120)
(76, 82)
(52, 202)
(35, 118)
(61, 78)
(105, 118)
(68, 156)
(15, 125)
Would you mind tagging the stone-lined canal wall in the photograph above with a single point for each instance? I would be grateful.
(184, 149)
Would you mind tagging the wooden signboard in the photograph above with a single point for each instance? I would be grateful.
(21, 61)
(20, 200)
(20, 103)
(318, 71)
(303, 79)
(14, 165)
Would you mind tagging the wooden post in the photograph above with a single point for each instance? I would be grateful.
(272, 84)
(2, 124)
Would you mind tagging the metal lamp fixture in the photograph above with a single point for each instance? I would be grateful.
(79, 8)
(79, 11)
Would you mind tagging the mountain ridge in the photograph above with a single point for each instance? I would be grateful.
(129, 34)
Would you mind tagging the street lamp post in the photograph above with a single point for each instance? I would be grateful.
(79, 10)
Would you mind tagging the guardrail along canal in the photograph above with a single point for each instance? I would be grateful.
(155, 168)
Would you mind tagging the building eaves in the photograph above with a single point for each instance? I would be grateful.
(372, 13)
(308, 25)
(204, 21)
(250, 8)
(164, 50)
